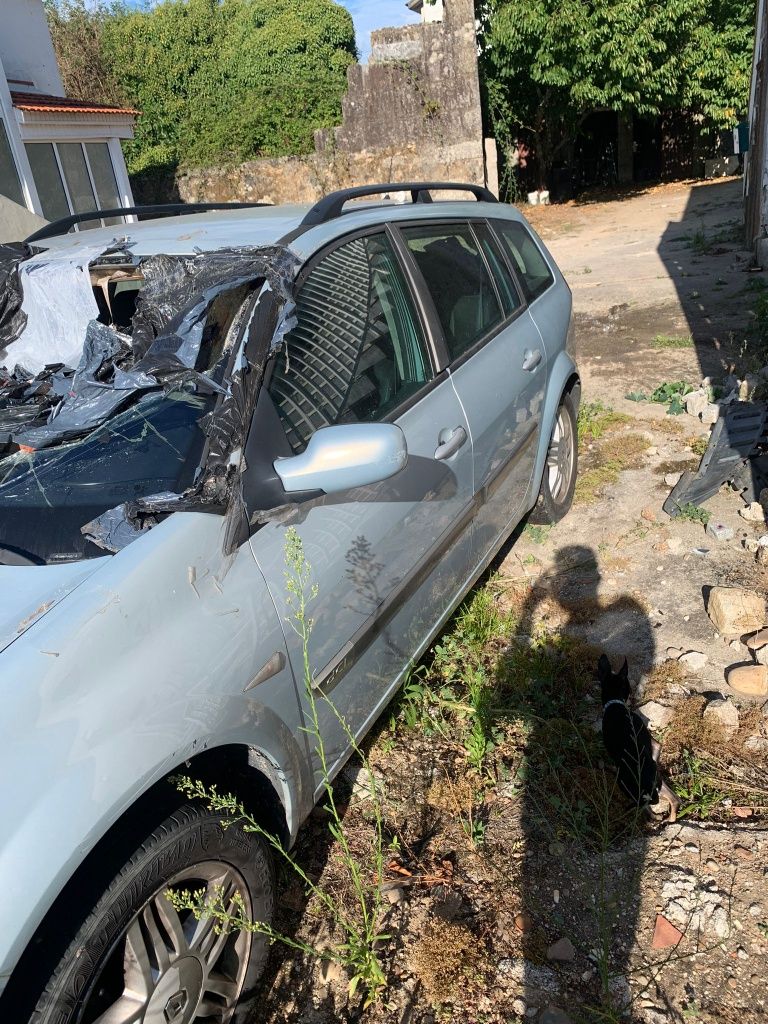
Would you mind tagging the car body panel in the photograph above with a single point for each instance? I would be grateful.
(144, 666)
(363, 545)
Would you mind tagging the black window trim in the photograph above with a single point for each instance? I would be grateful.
(430, 328)
(428, 302)
(523, 287)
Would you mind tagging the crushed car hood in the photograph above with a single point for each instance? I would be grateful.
(29, 592)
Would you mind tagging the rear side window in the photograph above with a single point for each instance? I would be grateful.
(358, 350)
(459, 282)
(526, 257)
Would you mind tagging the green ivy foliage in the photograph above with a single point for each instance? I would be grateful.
(548, 63)
(221, 81)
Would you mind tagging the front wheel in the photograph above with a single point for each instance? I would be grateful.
(559, 480)
(137, 960)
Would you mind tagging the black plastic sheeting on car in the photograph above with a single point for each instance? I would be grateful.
(170, 348)
(13, 319)
(732, 456)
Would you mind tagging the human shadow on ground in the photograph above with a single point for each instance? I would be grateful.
(585, 843)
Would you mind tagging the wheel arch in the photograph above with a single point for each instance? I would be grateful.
(233, 768)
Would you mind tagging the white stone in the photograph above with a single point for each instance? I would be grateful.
(695, 660)
(726, 714)
(656, 715)
(710, 413)
(753, 513)
(670, 479)
(696, 402)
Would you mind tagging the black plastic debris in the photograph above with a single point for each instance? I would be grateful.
(734, 455)
(13, 319)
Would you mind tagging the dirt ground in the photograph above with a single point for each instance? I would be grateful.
(518, 884)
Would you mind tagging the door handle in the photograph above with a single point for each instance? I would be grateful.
(531, 359)
(451, 445)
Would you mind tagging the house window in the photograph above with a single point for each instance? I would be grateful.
(10, 183)
(74, 177)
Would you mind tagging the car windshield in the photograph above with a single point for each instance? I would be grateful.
(46, 496)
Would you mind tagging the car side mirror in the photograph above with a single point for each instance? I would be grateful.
(340, 457)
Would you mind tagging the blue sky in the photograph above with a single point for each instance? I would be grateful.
(370, 14)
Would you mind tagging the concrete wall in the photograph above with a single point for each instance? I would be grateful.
(26, 50)
(17, 222)
(412, 113)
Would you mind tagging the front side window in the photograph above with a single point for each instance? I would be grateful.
(10, 183)
(459, 282)
(358, 350)
(526, 257)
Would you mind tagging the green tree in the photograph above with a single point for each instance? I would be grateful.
(547, 64)
(215, 80)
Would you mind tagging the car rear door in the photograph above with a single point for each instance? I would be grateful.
(498, 362)
(390, 558)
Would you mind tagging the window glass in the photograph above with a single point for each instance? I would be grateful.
(50, 187)
(10, 183)
(78, 182)
(526, 257)
(510, 299)
(458, 280)
(358, 349)
(103, 175)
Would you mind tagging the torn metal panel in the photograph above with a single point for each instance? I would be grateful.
(13, 319)
(736, 437)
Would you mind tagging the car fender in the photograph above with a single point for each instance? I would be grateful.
(149, 662)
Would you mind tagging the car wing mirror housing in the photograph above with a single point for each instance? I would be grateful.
(349, 455)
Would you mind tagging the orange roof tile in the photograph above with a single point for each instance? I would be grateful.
(63, 105)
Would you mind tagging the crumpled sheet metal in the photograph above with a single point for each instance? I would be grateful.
(108, 377)
(13, 319)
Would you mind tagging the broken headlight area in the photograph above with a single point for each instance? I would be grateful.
(154, 415)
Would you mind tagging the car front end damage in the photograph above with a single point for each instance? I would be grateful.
(127, 390)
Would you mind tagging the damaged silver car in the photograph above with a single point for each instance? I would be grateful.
(394, 380)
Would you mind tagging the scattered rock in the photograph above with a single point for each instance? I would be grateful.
(762, 555)
(665, 934)
(757, 744)
(519, 1007)
(735, 645)
(761, 655)
(735, 611)
(719, 530)
(695, 660)
(710, 413)
(725, 714)
(674, 653)
(757, 640)
(694, 907)
(671, 479)
(554, 1015)
(755, 909)
(751, 680)
(524, 923)
(696, 402)
(751, 545)
(753, 513)
(675, 545)
(563, 950)
(394, 895)
(649, 515)
(656, 715)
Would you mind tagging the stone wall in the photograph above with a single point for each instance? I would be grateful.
(412, 113)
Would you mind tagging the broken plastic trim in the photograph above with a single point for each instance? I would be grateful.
(13, 319)
(732, 456)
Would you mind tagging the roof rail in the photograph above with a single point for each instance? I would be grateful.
(332, 205)
(65, 224)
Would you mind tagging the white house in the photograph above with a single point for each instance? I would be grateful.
(57, 155)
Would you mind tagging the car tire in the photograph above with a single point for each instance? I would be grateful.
(558, 481)
(133, 946)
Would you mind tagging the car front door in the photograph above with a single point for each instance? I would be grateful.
(389, 558)
(497, 363)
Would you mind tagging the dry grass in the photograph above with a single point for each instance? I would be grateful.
(669, 673)
(446, 960)
(666, 425)
(614, 454)
(690, 730)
